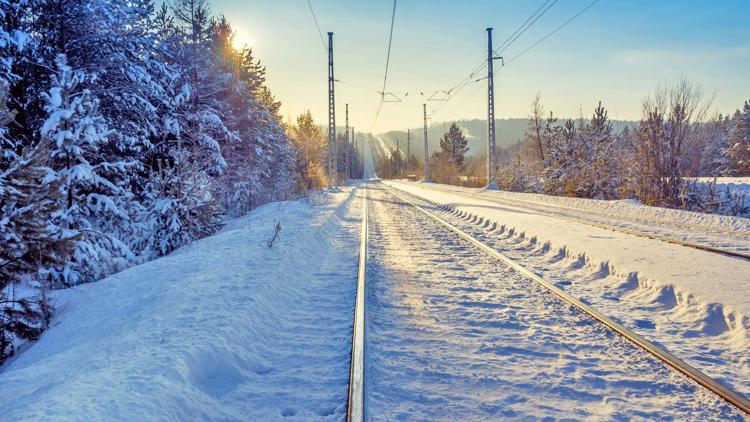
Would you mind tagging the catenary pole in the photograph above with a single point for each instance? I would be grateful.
(426, 153)
(331, 117)
(346, 145)
(398, 159)
(491, 154)
(408, 147)
(353, 153)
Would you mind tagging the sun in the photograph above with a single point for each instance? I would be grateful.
(241, 39)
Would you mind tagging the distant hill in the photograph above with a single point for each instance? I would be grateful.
(509, 131)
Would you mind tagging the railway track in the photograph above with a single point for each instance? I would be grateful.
(356, 411)
(543, 209)
(355, 400)
(672, 223)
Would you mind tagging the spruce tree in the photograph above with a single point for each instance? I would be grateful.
(77, 134)
(454, 146)
(738, 141)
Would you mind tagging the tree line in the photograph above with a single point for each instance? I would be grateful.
(127, 131)
(450, 164)
(655, 160)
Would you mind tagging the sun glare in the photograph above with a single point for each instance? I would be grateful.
(241, 39)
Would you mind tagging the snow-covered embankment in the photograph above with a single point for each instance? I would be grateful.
(224, 329)
(695, 303)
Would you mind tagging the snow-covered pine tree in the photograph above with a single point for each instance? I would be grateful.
(15, 52)
(599, 139)
(77, 135)
(561, 176)
(309, 142)
(738, 141)
(181, 207)
(30, 244)
(260, 158)
(713, 154)
(179, 203)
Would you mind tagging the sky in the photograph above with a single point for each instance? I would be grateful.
(617, 52)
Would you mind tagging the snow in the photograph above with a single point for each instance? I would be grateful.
(695, 303)
(452, 334)
(712, 277)
(223, 329)
(731, 185)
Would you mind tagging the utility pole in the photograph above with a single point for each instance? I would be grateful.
(331, 117)
(346, 145)
(491, 151)
(398, 159)
(426, 154)
(408, 147)
(353, 155)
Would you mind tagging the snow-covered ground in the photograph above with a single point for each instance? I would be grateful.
(725, 186)
(452, 334)
(695, 303)
(733, 183)
(224, 329)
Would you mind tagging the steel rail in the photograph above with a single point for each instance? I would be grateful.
(698, 246)
(691, 372)
(355, 410)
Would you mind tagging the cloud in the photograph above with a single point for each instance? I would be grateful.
(694, 56)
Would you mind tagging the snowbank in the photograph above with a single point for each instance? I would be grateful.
(708, 276)
(731, 194)
(695, 303)
(224, 329)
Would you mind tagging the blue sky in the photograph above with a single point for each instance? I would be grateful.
(617, 52)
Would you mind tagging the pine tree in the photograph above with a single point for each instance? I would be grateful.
(77, 134)
(738, 140)
(562, 174)
(454, 146)
(713, 154)
(181, 208)
(30, 245)
(309, 141)
(597, 142)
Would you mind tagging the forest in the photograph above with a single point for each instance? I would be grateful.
(128, 130)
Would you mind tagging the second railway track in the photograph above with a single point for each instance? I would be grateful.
(738, 251)
(737, 400)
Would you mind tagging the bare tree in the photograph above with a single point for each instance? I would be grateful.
(671, 121)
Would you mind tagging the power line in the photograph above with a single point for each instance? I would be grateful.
(507, 62)
(456, 89)
(553, 32)
(470, 96)
(512, 38)
(390, 40)
(468, 80)
(322, 39)
(509, 43)
(358, 86)
(387, 63)
(507, 40)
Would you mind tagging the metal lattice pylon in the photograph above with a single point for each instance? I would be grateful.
(491, 165)
(331, 117)
(426, 153)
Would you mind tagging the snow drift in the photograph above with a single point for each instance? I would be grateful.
(223, 329)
